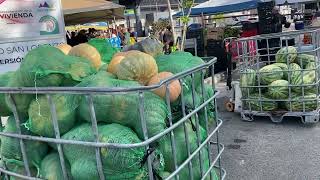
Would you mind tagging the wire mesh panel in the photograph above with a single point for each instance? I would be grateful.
(85, 133)
(280, 76)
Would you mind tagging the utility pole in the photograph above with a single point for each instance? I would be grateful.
(171, 20)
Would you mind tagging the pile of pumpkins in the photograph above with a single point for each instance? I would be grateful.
(135, 63)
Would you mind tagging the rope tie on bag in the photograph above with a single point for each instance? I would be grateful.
(145, 157)
(149, 152)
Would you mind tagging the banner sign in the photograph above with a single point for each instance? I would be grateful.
(12, 54)
(23, 23)
(30, 18)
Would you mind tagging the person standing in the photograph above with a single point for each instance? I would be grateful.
(81, 37)
(126, 37)
(168, 39)
(132, 38)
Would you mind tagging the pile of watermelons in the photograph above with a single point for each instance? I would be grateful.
(290, 84)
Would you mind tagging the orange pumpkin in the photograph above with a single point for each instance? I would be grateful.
(65, 48)
(137, 66)
(89, 52)
(174, 86)
(117, 58)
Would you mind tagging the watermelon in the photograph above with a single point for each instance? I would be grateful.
(309, 75)
(304, 59)
(295, 73)
(302, 77)
(309, 100)
(266, 104)
(278, 89)
(284, 68)
(286, 55)
(248, 78)
(270, 73)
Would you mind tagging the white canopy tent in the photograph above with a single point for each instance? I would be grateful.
(86, 11)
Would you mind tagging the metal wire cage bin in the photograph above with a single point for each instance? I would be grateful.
(279, 75)
(192, 149)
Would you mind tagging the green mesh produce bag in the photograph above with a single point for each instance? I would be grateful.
(182, 153)
(47, 66)
(190, 106)
(211, 111)
(188, 103)
(40, 120)
(124, 108)
(51, 167)
(104, 67)
(178, 62)
(18, 168)
(105, 49)
(22, 101)
(4, 81)
(118, 164)
(11, 151)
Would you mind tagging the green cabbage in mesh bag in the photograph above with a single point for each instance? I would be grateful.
(124, 108)
(182, 153)
(17, 167)
(190, 105)
(178, 62)
(51, 167)
(22, 101)
(105, 49)
(211, 111)
(11, 151)
(4, 81)
(47, 66)
(118, 164)
(40, 120)
(104, 67)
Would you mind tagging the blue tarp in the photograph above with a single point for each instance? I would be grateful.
(222, 9)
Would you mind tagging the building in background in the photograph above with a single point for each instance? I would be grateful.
(153, 10)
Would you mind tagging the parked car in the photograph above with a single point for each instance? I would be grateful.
(194, 26)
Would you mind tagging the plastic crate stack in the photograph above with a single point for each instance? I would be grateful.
(199, 35)
(266, 25)
(215, 49)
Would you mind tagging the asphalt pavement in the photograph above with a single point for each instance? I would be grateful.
(262, 150)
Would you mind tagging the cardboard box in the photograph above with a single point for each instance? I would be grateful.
(215, 33)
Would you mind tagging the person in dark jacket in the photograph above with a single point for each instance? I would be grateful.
(168, 39)
(81, 37)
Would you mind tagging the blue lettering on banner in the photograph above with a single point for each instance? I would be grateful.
(11, 60)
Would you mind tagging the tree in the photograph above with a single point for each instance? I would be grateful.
(171, 20)
(135, 5)
(185, 6)
(137, 14)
